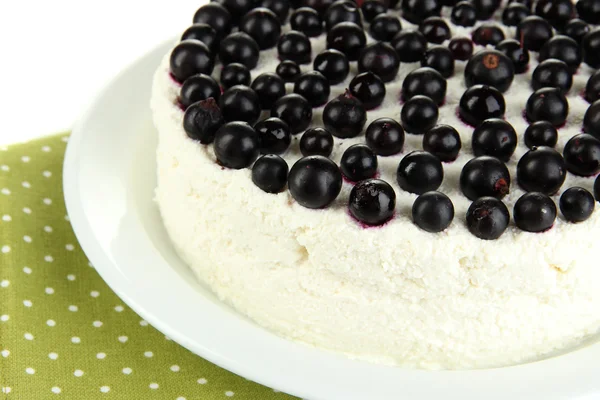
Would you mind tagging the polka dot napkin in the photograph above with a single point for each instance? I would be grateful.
(63, 332)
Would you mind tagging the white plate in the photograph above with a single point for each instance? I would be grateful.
(109, 178)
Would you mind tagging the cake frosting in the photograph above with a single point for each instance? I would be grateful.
(393, 294)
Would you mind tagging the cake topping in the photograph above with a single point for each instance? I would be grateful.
(563, 48)
(515, 53)
(479, 103)
(463, 14)
(342, 11)
(591, 120)
(262, 25)
(540, 133)
(494, 137)
(485, 8)
(419, 114)
(490, 67)
(461, 48)
(576, 29)
(307, 21)
(541, 169)
(239, 48)
(589, 11)
(270, 173)
(514, 13)
(269, 87)
(441, 59)
(288, 70)
(273, 135)
(372, 202)
(435, 30)
(582, 155)
(552, 73)
(576, 204)
(236, 145)
(215, 15)
(237, 8)
(410, 45)
(316, 142)
(384, 27)
(294, 46)
(234, 74)
(443, 141)
(202, 120)
(368, 88)
(315, 181)
(592, 88)
(191, 57)
(372, 8)
(433, 211)
(533, 32)
(424, 81)
(333, 64)
(204, 33)
(381, 59)
(534, 212)
(198, 87)
(484, 176)
(344, 116)
(488, 33)
(385, 136)
(590, 46)
(348, 38)
(358, 162)
(557, 12)
(415, 11)
(281, 8)
(547, 104)
(294, 110)
(314, 87)
(240, 103)
(420, 172)
(597, 188)
(487, 218)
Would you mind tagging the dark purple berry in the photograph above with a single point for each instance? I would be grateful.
(479, 103)
(202, 120)
(552, 73)
(269, 87)
(385, 136)
(419, 114)
(494, 137)
(485, 8)
(342, 11)
(348, 38)
(576, 29)
(333, 64)
(577, 204)
(372, 202)
(281, 8)
(273, 135)
(597, 188)
(547, 104)
(368, 88)
(204, 33)
(198, 87)
(239, 48)
(534, 212)
(487, 218)
(557, 12)
(380, 59)
(240, 103)
(541, 169)
(589, 11)
(372, 8)
(415, 11)
(424, 81)
(235, 74)
(294, 110)
(385, 27)
(315, 181)
(216, 16)
(533, 32)
(191, 57)
(582, 155)
(592, 88)
(443, 141)
(562, 48)
(420, 172)
(590, 46)
(307, 21)
(515, 53)
(236, 145)
(316, 142)
(463, 14)
(433, 212)
(461, 48)
(435, 30)
(237, 8)
(490, 67)
(288, 70)
(344, 116)
(439, 58)
(410, 45)
(263, 26)
(484, 176)
(487, 33)
(270, 173)
(540, 133)
(514, 13)
(358, 163)
(294, 46)
(314, 87)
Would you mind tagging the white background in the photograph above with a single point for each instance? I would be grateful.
(56, 54)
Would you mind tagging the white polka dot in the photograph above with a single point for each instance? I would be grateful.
(75, 339)
(71, 277)
(4, 283)
(97, 324)
(27, 210)
(65, 139)
(27, 303)
(73, 308)
(153, 386)
(53, 356)
(144, 323)
(25, 158)
(67, 218)
(70, 247)
(119, 308)
(27, 270)
(47, 201)
(180, 398)
(78, 373)
(28, 336)
(123, 339)
(148, 354)
(5, 167)
(5, 191)
(127, 371)
(229, 393)
(94, 293)
(167, 338)
(202, 381)
(48, 258)
(48, 229)
(30, 370)
(47, 174)
(51, 322)
(27, 239)
(6, 218)
(105, 389)
(5, 353)
(49, 290)
(6, 389)
(5, 249)
(46, 149)
(26, 184)
(101, 356)
(56, 390)
(4, 317)
(175, 368)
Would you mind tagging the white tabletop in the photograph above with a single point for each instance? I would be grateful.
(57, 54)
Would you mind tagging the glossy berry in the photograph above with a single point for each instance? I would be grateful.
(385, 136)
(590, 47)
(202, 120)
(534, 212)
(424, 81)
(557, 12)
(294, 110)
(582, 155)
(552, 73)
(216, 16)
(439, 58)
(344, 116)
(204, 33)
(420, 172)
(487, 34)
(494, 137)
(269, 87)
(592, 87)
(372, 8)
(269, 173)
(576, 204)
(314, 87)
(433, 212)
(547, 104)
(410, 45)
(294, 46)
(461, 48)
(239, 48)
(240, 103)
(273, 135)
(591, 120)
(484, 176)
(288, 70)
(307, 21)
(533, 32)
(234, 74)
(485, 8)
(237, 8)
(385, 27)
(368, 88)
(372, 202)
(576, 29)
(342, 11)
(490, 67)
(540, 133)
(358, 162)
(481, 102)
(281, 8)
(597, 188)
(415, 11)
(514, 13)
(198, 87)
(515, 53)
(526, 3)
(319, 5)
(316, 142)
(463, 14)
(562, 48)
(380, 59)
(541, 169)
(315, 181)
(190, 57)
(419, 114)
(333, 64)
(263, 26)
(435, 30)
(487, 218)
(589, 11)
(348, 38)
(236, 145)
(443, 141)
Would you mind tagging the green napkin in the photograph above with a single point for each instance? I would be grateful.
(63, 332)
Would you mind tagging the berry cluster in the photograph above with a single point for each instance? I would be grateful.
(234, 32)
